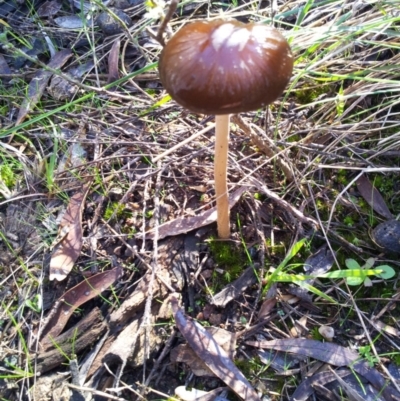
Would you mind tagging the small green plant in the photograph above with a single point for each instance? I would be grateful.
(229, 258)
(315, 334)
(365, 352)
(387, 272)
(35, 303)
(355, 275)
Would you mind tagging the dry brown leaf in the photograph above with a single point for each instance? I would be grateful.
(49, 8)
(185, 224)
(306, 387)
(326, 352)
(184, 353)
(113, 73)
(236, 288)
(69, 247)
(75, 297)
(266, 308)
(335, 355)
(39, 82)
(373, 197)
(214, 356)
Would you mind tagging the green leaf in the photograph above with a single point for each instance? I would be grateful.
(290, 277)
(350, 273)
(369, 263)
(387, 272)
(354, 280)
(314, 290)
(294, 250)
(352, 264)
(367, 282)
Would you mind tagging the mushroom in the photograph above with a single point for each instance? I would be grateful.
(327, 332)
(222, 67)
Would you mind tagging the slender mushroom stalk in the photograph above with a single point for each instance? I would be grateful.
(220, 174)
(224, 67)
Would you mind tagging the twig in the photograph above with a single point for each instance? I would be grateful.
(183, 143)
(146, 322)
(172, 7)
(284, 204)
(96, 392)
(164, 352)
(266, 145)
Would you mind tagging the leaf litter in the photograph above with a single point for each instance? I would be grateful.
(317, 142)
(332, 354)
(69, 241)
(213, 355)
(71, 300)
(39, 83)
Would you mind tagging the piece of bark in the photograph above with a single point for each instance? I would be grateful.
(167, 252)
(121, 346)
(85, 333)
(135, 301)
(236, 288)
(129, 345)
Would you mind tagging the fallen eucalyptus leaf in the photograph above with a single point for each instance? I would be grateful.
(39, 82)
(49, 8)
(373, 197)
(183, 225)
(215, 357)
(75, 297)
(70, 242)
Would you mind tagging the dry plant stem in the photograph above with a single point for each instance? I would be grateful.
(220, 174)
(183, 143)
(266, 145)
(163, 26)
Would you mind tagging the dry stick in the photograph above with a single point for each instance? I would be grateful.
(164, 352)
(183, 143)
(154, 268)
(270, 149)
(96, 392)
(172, 7)
(298, 214)
(130, 80)
(220, 174)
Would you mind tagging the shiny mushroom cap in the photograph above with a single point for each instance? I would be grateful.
(224, 67)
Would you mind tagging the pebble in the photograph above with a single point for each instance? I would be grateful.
(387, 235)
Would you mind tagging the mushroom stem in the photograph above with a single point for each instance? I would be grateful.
(220, 174)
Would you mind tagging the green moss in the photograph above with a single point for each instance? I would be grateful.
(248, 366)
(396, 359)
(229, 258)
(114, 208)
(7, 175)
(309, 94)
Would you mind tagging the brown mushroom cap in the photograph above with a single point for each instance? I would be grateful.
(223, 67)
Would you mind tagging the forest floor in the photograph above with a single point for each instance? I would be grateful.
(113, 282)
